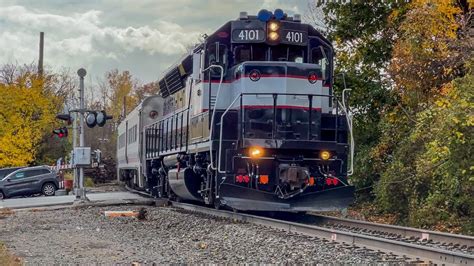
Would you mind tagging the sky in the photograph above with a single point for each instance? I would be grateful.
(143, 36)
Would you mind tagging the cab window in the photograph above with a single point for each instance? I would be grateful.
(288, 53)
(245, 52)
(216, 54)
(320, 56)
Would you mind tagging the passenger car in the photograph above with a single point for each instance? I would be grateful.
(28, 181)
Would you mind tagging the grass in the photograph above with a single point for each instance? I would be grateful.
(6, 258)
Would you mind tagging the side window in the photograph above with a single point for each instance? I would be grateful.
(30, 173)
(44, 171)
(19, 175)
(319, 55)
(216, 54)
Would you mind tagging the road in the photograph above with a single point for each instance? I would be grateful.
(35, 202)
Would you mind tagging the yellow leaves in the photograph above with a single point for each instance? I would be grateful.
(26, 112)
(443, 103)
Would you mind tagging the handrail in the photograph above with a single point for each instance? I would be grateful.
(214, 109)
(349, 122)
(349, 125)
(220, 133)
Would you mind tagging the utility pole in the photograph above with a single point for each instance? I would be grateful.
(41, 48)
(82, 73)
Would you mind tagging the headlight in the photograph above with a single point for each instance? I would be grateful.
(273, 26)
(325, 155)
(255, 152)
(273, 36)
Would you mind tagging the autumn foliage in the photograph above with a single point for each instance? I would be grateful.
(27, 111)
(411, 68)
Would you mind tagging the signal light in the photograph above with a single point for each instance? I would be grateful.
(328, 181)
(97, 118)
(273, 30)
(264, 179)
(311, 181)
(239, 178)
(273, 26)
(61, 132)
(312, 78)
(255, 152)
(273, 36)
(325, 155)
(242, 178)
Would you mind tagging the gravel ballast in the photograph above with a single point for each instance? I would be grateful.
(168, 235)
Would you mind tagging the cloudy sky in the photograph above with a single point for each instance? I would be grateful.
(143, 36)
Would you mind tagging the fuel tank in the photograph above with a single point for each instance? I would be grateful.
(185, 183)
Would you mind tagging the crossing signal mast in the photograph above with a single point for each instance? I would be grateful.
(81, 155)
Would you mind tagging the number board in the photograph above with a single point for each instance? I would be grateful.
(294, 37)
(248, 35)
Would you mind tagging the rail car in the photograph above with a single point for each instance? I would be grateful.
(246, 119)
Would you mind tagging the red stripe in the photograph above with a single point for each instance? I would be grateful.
(271, 107)
(262, 76)
(280, 107)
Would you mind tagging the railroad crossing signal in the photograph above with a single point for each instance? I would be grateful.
(97, 118)
(65, 117)
(61, 132)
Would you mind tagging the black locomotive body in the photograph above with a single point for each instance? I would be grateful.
(248, 120)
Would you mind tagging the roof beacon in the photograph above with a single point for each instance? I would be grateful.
(279, 14)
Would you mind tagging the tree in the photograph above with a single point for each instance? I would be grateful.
(120, 89)
(26, 112)
(363, 34)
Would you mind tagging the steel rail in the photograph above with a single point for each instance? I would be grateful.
(407, 232)
(433, 255)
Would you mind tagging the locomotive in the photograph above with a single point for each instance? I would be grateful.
(246, 119)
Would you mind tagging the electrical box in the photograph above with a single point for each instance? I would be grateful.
(82, 156)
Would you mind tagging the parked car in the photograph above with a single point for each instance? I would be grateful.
(28, 181)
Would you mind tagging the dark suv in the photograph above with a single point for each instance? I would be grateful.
(28, 181)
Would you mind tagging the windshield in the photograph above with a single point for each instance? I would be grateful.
(260, 52)
(5, 172)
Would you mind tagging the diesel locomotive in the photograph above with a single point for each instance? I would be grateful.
(246, 119)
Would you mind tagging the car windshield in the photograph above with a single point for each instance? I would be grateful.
(5, 172)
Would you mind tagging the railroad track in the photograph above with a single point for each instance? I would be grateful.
(411, 244)
(450, 242)
(336, 229)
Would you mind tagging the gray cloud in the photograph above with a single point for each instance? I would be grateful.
(144, 36)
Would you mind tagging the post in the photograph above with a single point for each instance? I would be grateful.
(41, 48)
(74, 145)
(82, 73)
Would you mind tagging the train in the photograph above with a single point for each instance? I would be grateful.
(247, 120)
